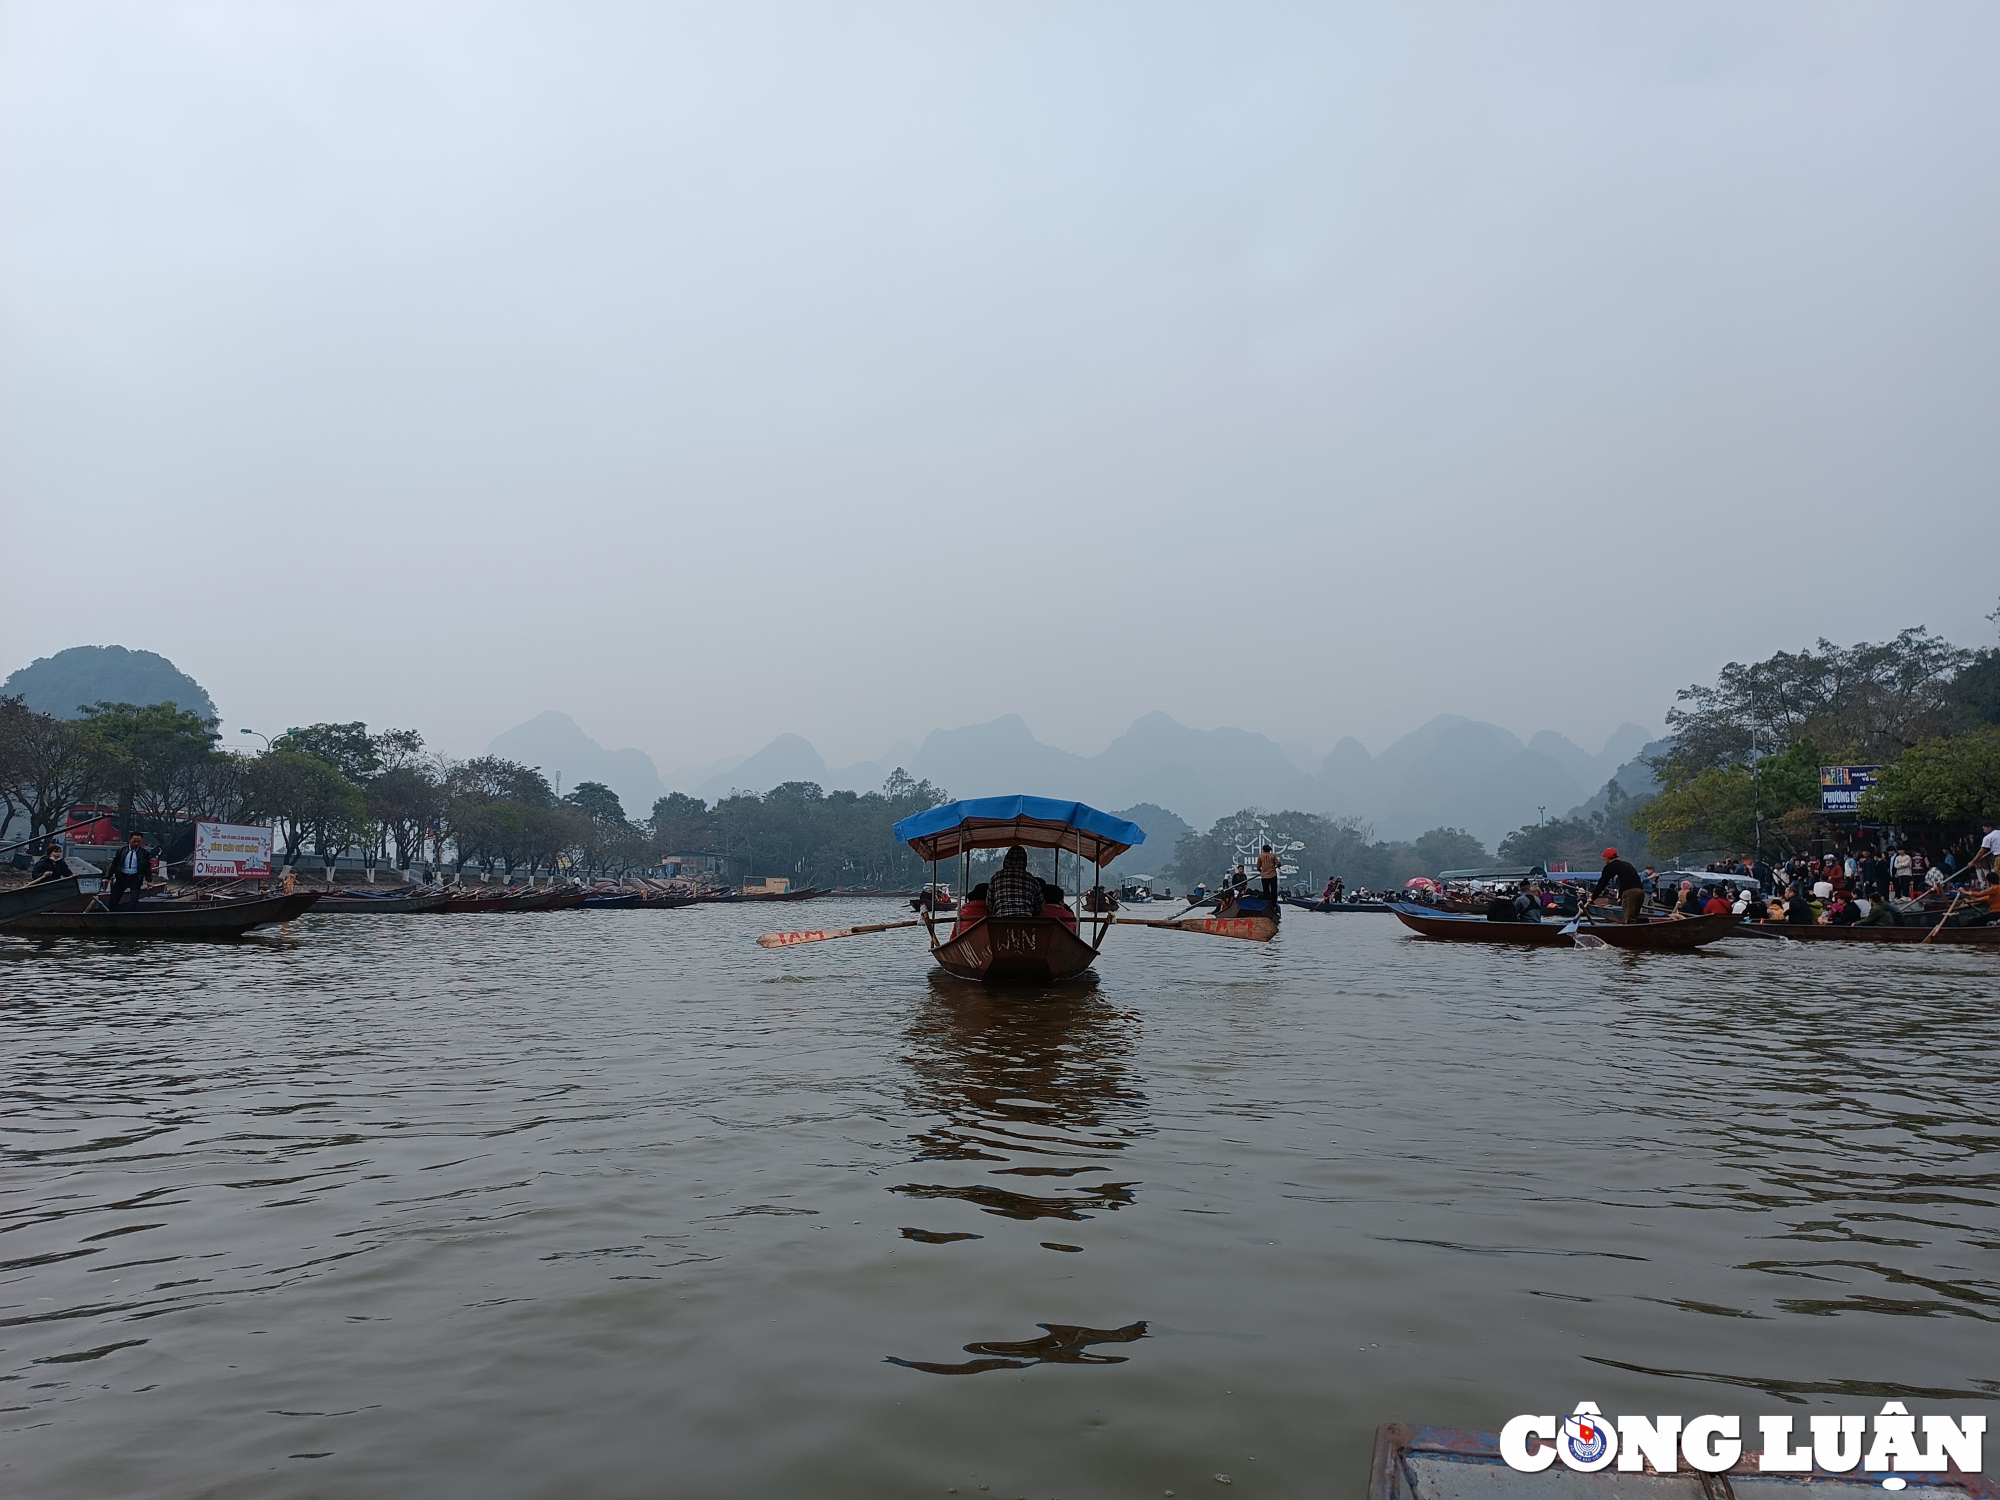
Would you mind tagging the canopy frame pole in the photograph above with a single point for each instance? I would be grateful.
(930, 917)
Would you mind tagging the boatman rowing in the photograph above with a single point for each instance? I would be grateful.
(1631, 889)
(1014, 891)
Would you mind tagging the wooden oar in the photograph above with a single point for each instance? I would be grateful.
(1254, 929)
(1946, 917)
(793, 939)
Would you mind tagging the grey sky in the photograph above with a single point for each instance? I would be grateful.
(436, 364)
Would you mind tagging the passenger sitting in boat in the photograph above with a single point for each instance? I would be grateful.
(973, 907)
(1717, 905)
(1881, 911)
(1015, 891)
(1053, 905)
(1798, 910)
(1527, 907)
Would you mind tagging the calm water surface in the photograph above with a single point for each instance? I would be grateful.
(616, 1203)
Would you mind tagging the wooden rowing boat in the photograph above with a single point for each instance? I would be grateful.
(1447, 1463)
(194, 920)
(1016, 950)
(24, 900)
(458, 905)
(376, 906)
(1670, 935)
(1028, 950)
(1911, 930)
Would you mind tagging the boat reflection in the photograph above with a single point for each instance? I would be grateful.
(1041, 1085)
(1034, 1101)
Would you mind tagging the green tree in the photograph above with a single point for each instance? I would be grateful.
(348, 747)
(1716, 810)
(162, 763)
(1880, 698)
(402, 801)
(1976, 690)
(484, 806)
(1345, 847)
(597, 802)
(1579, 840)
(47, 765)
(1450, 849)
(1940, 781)
(308, 799)
(682, 825)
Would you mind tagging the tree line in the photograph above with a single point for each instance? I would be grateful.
(1346, 847)
(1743, 764)
(333, 790)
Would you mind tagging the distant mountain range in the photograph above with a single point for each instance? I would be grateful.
(566, 755)
(1453, 772)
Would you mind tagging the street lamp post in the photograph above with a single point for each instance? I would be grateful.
(264, 737)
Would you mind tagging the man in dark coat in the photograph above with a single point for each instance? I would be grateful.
(130, 871)
(1631, 890)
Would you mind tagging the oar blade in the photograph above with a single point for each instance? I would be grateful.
(793, 939)
(1251, 929)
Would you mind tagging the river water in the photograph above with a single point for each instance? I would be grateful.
(619, 1204)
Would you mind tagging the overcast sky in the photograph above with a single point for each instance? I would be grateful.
(435, 364)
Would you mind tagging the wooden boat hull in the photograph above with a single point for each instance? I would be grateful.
(1444, 1463)
(1645, 937)
(24, 900)
(1016, 950)
(1916, 931)
(376, 906)
(610, 903)
(1381, 906)
(196, 920)
(665, 903)
(477, 905)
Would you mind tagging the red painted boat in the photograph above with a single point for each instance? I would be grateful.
(1018, 950)
(1665, 936)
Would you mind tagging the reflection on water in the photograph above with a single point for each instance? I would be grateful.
(1061, 1344)
(1042, 1074)
(619, 1204)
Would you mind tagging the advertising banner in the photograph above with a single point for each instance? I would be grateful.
(231, 851)
(1840, 787)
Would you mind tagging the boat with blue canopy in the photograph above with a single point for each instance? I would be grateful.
(1052, 946)
(1056, 944)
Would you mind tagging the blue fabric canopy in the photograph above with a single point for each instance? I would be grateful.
(1035, 822)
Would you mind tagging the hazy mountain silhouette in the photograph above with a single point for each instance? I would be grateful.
(554, 742)
(1452, 772)
(61, 684)
(787, 758)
